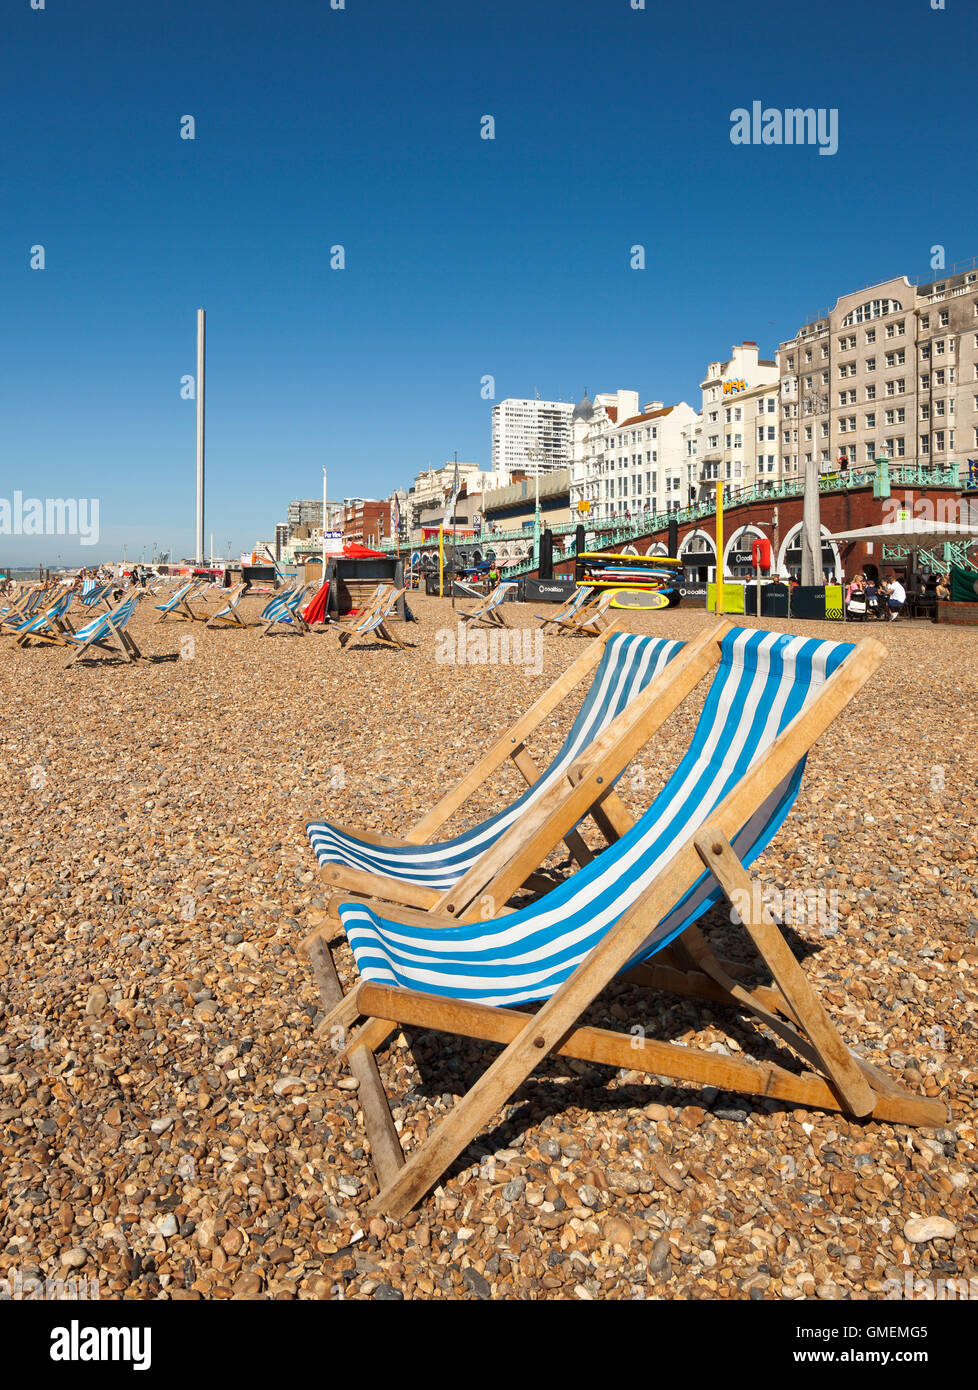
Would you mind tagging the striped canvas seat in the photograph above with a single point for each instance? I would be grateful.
(99, 627)
(280, 608)
(228, 607)
(26, 605)
(763, 680)
(45, 622)
(491, 603)
(175, 599)
(375, 615)
(93, 593)
(628, 665)
(569, 609)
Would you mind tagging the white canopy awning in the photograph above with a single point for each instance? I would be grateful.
(914, 533)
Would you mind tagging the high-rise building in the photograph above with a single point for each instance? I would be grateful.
(306, 512)
(531, 436)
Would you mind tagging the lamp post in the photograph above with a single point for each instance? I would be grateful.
(536, 454)
(816, 405)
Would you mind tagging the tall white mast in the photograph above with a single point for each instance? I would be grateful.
(199, 547)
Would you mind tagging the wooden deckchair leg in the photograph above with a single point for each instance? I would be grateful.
(718, 855)
(385, 1146)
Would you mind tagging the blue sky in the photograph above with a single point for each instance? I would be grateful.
(464, 257)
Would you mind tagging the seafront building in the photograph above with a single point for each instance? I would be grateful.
(628, 460)
(739, 423)
(531, 435)
(890, 369)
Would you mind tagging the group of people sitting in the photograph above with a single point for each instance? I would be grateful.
(867, 598)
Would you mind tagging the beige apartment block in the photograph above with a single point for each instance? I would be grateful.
(891, 368)
(740, 436)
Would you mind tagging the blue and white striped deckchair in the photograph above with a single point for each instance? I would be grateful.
(50, 625)
(590, 618)
(283, 611)
(373, 622)
(24, 606)
(177, 605)
(567, 611)
(93, 593)
(108, 633)
(227, 615)
(489, 612)
(771, 697)
(427, 874)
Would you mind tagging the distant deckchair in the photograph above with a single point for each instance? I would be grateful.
(23, 606)
(567, 611)
(283, 611)
(771, 698)
(108, 633)
(94, 594)
(373, 622)
(228, 615)
(489, 612)
(177, 605)
(50, 625)
(589, 620)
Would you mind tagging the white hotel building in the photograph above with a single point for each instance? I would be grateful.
(531, 436)
(739, 430)
(629, 460)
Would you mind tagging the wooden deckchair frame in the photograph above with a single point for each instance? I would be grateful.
(298, 625)
(125, 644)
(101, 600)
(58, 631)
(33, 595)
(509, 747)
(842, 1081)
(382, 633)
(181, 612)
(589, 620)
(586, 789)
(233, 618)
(555, 620)
(487, 616)
(351, 621)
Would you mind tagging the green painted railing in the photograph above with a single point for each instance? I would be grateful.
(618, 531)
(955, 553)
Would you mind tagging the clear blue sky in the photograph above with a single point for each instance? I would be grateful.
(465, 257)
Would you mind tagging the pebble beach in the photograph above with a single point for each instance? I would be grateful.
(172, 1127)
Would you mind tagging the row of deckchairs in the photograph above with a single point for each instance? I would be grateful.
(444, 937)
(585, 614)
(51, 625)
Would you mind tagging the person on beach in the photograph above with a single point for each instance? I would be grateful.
(896, 598)
(943, 589)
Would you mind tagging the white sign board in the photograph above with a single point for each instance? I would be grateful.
(333, 542)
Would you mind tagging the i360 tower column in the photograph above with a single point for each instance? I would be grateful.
(199, 546)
